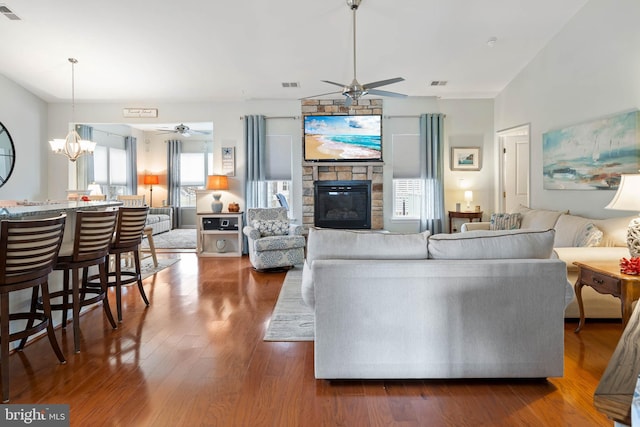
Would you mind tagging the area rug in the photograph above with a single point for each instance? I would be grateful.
(148, 269)
(292, 319)
(179, 238)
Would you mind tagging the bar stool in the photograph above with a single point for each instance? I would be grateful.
(90, 247)
(28, 252)
(127, 238)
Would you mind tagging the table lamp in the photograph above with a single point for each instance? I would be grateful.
(627, 198)
(217, 183)
(151, 180)
(468, 197)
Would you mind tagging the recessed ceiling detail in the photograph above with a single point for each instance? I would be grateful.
(290, 84)
(438, 83)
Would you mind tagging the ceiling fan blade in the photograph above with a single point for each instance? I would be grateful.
(383, 82)
(322, 94)
(386, 93)
(348, 101)
(334, 83)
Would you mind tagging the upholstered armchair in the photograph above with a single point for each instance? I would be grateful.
(272, 241)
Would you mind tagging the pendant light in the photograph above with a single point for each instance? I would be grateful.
(72, 146)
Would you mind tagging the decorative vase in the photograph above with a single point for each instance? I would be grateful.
(216, 205)
(234, 207)
(220, 245)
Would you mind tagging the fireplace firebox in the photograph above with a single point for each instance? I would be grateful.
(342, 204)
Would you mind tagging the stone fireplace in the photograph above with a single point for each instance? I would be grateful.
(313, 173)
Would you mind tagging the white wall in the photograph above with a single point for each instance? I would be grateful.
(590, 69)
(25, 117)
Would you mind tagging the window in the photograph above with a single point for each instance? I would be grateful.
(277, 187)
(109, 170)
(194, 168)
(407, 198)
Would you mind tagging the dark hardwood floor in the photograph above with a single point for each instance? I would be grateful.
(196, 357)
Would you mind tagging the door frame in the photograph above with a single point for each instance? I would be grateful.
(519, 130)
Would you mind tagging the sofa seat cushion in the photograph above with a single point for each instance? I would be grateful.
(499, 244)
(278, 243)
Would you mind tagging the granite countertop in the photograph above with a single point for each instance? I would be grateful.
(51, 208)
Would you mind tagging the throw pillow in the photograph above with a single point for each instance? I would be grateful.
(589, 236)
(271, 227)
(505, 221)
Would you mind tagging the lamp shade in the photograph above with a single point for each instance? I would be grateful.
(151, 180)
(627, 198)
(217, 182)
(468, 196)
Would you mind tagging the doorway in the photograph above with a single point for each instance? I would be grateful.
(514, 168)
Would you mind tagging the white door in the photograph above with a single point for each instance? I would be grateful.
(515, 168)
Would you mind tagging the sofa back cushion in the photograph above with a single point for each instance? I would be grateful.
(538, 219)
(347, 244)
(614, 230)
(500, 244)
(576, 231)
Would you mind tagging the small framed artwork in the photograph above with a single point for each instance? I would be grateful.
(228, 161)
(465, 158)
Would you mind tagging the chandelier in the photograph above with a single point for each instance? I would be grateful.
(72, 146)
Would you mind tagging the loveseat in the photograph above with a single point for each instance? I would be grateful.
(470, 305)
(577, 239)
(160, 219)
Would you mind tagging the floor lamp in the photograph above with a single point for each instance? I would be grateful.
(151, 180)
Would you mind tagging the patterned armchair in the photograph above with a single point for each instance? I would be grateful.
(273, 242)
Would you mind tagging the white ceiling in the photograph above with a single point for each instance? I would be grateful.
(211, 50)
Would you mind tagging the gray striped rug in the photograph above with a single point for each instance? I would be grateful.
(291, 320)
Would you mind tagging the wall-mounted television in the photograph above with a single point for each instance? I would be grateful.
(343, 138)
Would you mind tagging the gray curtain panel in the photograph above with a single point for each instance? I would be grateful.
(255, 143)
(130, 145)
(432, 150)
(84, 164)
(174, 149)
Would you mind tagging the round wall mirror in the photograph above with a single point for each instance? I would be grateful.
(7, 155)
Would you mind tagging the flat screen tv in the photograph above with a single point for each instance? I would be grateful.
(343, 138)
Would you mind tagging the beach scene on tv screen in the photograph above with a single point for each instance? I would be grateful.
(342, 138)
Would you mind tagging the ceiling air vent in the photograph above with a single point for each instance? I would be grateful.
(8, 13)
(438, 83)
(290, 84)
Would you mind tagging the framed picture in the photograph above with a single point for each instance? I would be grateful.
(465, 158)
(228, 161)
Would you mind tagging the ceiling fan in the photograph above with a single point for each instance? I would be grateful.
(355, 90)
(183, 130)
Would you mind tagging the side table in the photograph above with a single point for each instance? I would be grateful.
(466, 215)
(606, 278)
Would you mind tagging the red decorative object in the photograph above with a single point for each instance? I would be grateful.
(85, 198)
(630, 266)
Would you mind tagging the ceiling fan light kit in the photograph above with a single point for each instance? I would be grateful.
(355, 90)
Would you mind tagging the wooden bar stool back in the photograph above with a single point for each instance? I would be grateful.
(28, 252)
(90, 247)
(127, 238)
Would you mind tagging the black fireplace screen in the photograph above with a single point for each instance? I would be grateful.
(342, 204)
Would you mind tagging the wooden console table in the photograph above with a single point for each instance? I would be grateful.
(606, 278)
(466, 215)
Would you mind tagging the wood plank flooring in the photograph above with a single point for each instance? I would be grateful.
(195, 357)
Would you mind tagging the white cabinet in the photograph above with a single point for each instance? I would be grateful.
(219, 234)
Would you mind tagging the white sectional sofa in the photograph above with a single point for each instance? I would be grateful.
(471, 305)
(577, 240)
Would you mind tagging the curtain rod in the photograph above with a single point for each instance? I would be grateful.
(278, 117)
